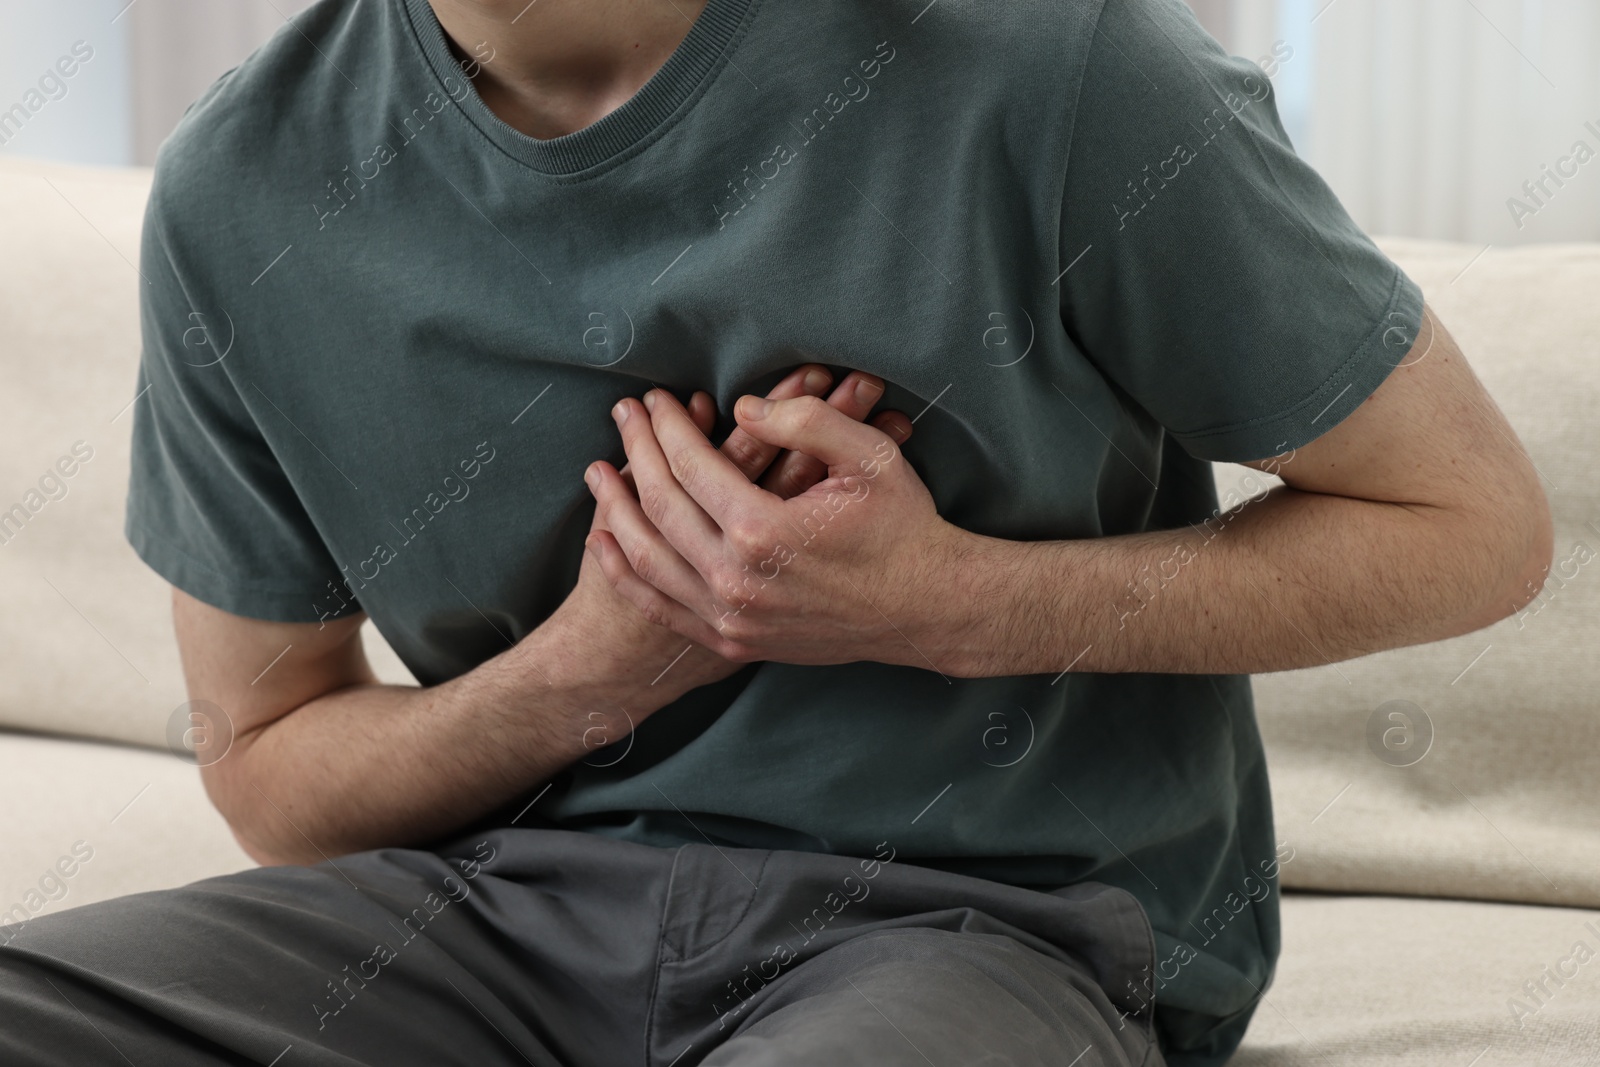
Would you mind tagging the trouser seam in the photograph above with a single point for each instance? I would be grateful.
(661, 937)
(755, 891)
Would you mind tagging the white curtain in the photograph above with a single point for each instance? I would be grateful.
(1428, 116)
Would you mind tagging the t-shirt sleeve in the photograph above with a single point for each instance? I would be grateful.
(1210, 273)
(209, 507)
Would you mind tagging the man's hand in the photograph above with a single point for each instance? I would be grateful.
(745, 456)
(828, 576)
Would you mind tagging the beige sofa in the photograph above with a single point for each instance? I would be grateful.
(1422, 898)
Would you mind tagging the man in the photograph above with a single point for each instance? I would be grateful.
(800, 749)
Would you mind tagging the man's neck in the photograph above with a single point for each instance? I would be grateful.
(551, 67)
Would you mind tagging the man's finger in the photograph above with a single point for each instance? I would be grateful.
(799, 473)
(652, 603)
(809, 425)
(665, 502)
(652, 558)
(704, 414)
(752, 456)
(895, 424)
(710, 479)
(795, 472)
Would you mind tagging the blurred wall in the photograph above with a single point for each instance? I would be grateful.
(148, 60)
(81, 117)
(180, 47)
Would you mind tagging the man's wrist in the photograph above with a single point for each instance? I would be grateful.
(573, 652)
(961, 615)
(578, 653)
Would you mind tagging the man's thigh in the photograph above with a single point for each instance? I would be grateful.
(791, 958)
(508, 948)
(914, 997)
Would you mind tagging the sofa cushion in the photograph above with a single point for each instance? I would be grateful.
(88, 821)
(1393, 982)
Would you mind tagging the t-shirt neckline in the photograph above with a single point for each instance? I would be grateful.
(645, 112)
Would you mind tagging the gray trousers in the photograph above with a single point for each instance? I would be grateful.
(552, 947)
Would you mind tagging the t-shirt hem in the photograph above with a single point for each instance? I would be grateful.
(1334, 400)
(202, 583)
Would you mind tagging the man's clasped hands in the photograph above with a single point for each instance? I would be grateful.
(804, 538)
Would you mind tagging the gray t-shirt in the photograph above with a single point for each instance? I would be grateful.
(383, 330)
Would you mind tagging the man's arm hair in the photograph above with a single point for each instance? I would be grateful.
(325, 760)
(1419, 517)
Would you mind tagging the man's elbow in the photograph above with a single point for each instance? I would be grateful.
(250, 816)
(261, 856)
(268, 853)
(1539, 555)
(1525, 552)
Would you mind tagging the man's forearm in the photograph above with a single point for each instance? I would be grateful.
(374, 765)
(1418, 516)
(1291, 579)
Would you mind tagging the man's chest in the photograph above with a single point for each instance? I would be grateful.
(436, 416)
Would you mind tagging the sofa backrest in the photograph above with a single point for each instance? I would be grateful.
(86, 643)
(1502, 805)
